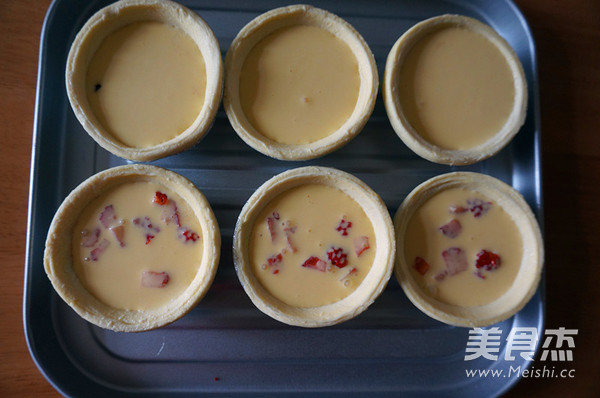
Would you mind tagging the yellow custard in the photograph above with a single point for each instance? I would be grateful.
(456, 88)
(146, 83)
(299, 84)
(137, 246)
(312, 246)
(462, 248)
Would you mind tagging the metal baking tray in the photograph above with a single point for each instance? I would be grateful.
(226, 345)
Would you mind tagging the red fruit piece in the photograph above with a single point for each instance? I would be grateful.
(337, 257)
(451, 229)
(353, 271)
(479, 274)
(108, 218)
(95, 254)
(275, 260)
(421, 265)
(169, 214)
(344, 226)
(90, 238)
(149, 238)
(154, 279)
(455, 259)
(440, 276)
(119, 233)
(146, 224)
(315, 263)
(272, 225)
(478, 207)
(457, 209)
(187, 234)
(361, 244)
(487, 260)
(160, 198)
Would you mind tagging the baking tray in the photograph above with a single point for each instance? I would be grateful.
(225, 345)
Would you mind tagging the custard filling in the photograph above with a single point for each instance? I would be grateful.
(456, 88)
(462, 248)
(312, 246)
(146, 83)
(137, 246)
(299, 84)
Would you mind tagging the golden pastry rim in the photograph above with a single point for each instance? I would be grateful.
(364, 295)
(122, 13)
(410, 136)
(528, 277)
(58, 261)
(265, 24)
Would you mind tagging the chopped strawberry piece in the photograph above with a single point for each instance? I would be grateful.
(315, 263)
(187, 235)
(456, 260)
(90, 238)
(154, 279)
(458, 209)
(487, 260)
(272, 225)
(275, 271)
(478, 207)
(95, 254)
(337, 257)
(108, 218)
(160, 198)
(343, 226)
(146, 224)
(421, 265)
(479, 274)
(119, 233)
(275, 260)
(289, 231)
(440, 276)
(169, 214)
(451, 229)
(353, 271)
(361, 244)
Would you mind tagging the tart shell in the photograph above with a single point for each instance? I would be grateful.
(58, 260)
(353, 304)
(530, 269)
(116, 16)
(402, 126)
(262, 26)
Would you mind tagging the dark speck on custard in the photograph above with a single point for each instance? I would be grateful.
(97, 87)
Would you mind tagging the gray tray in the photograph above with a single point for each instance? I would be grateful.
(225, 345)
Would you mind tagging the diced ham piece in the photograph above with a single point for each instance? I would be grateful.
(315, 263)
(421, 265)
(95, 254)
(451, 229)
(343, 226)
(361, 244)
(456, 260)
(154, 279)
(119, 233)
(90, 238)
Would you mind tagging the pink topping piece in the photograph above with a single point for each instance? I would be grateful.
(344, 226)
(95, 254)
(361, 244)
(315, 263)
(353, 271)
(119, 233)
(452, 229)
(90, 238)
(455, 259)
(478, 207)
(272, 225)
(187, 235)
(479, 274)
(289, 231)
(440, 276)
(169, 214)
(108, 218)
(421, 265)
(337, 257)
(154, 279)
(149, 228)
(458, 209)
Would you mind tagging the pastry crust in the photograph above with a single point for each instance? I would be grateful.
(58, 260)
(264, 25)
(528, 276)
(116, 16)
(363, 295)
(409, 135)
